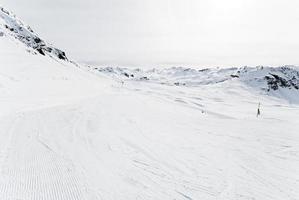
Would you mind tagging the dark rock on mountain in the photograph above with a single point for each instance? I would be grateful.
(274, 82)
(15, 28)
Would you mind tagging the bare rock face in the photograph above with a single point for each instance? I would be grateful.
(11, 26)
(288, 79)
(275, 81)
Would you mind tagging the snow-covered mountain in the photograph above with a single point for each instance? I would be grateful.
(272, 78)
(276, 81)
(10, 25)
(119, 134)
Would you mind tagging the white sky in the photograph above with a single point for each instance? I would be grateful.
(177, 32)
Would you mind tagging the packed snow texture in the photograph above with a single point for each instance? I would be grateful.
(69, 134)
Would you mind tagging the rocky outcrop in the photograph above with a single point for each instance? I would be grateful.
(11, 26)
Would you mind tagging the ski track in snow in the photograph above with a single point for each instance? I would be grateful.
(78, 152)
(32, 170)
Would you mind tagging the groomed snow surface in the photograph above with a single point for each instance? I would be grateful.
(68, 134)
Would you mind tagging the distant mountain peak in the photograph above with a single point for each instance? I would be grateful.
(11, 26)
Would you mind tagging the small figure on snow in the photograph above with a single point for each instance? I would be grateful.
(258, 110)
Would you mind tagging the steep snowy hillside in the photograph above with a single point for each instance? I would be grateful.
(10, 25)
(27, 79)
(184, 134)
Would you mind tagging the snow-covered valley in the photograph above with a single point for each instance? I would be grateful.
(75, 132)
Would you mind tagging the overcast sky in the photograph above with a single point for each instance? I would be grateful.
(176, 32)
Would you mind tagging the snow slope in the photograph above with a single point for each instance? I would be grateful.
(67, 134)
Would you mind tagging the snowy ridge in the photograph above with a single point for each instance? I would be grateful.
(271, 78)
(11, 26)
